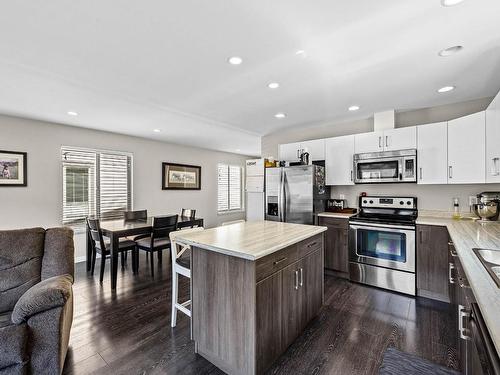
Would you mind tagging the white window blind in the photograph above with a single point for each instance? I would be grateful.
(95, 183)
(229, 188)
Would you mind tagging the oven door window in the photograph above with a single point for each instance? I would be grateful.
(379, 170)
(381, 245)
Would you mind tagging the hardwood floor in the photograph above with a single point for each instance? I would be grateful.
(128, 331)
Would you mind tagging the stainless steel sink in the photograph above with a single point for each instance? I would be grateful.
(490, 258)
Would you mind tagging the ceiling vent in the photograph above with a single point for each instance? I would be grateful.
(383, 120)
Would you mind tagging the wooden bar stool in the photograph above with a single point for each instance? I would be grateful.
(180, 266)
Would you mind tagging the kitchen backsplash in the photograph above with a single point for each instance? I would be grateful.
(430, 197)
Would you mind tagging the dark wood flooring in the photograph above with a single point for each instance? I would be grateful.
(128, 332)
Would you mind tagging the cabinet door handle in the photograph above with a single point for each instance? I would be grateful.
(276, 262)
(420, 173)
(386, 141)
(301, 277)
(312, 244)
(451, 267)
(494, 167)
(298, 153)
(296, 280)
(379, 142)
(351, 174)
(420, 236)
(450, 171)
(462, 313)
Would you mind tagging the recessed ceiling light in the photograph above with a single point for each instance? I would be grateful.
(301, 52)
(353, 108)
(157, 130)
(72, 113)
(238, 150)
(446, 89)
(450, 51)
(450, 3)
(235, 60)
(273, 85)
(280, 115)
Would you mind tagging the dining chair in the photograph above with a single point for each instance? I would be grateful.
(188, 212)
(233, 222)
(136, 216)
(99, 245)
(158, 240)
(181, 260)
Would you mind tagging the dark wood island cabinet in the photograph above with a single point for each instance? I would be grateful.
(249, 305)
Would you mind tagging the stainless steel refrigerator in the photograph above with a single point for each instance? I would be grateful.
(295, 194)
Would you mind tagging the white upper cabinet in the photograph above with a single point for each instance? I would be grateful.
(290, 151)
(493, 141)
(338, 160)
(466, 149)
(368, 142)
(432, 153)
(387, 140)
(400, 139)
(315, 148)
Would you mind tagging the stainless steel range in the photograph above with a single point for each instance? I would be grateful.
(382, 243)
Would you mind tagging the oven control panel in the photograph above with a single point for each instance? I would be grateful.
(388, 202)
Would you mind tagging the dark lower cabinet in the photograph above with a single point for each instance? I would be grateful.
(287, 301)
(477, 353)
(336, 245)
(432, 262)
(268, 295)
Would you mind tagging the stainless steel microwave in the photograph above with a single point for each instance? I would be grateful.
(387, 166)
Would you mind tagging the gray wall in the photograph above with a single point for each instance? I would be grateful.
(40, 203)
(431, 197)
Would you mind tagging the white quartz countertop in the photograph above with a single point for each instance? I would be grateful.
(466, 235)
(337, 215)
(250, 240)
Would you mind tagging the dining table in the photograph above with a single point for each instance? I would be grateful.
(119, 228)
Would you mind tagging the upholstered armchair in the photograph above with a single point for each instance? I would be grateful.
(36, 299)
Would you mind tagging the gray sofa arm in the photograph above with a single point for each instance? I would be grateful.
(48, 294)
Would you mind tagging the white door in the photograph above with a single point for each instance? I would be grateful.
(368, 142)
(290, 151)
(493, 141)
(432, 153)
(315, 148)
(466, 149)
(400, 139)
(338, 160)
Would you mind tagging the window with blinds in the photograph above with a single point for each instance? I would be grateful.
(95, 183)
(230, 196)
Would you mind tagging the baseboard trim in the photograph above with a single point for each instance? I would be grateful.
(84, 258)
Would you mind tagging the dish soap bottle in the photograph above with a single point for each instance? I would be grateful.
(456, 209)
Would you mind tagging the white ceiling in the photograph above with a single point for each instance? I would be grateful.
(133, 66)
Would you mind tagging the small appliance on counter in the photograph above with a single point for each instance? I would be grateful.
(339, 206)
(488, 206)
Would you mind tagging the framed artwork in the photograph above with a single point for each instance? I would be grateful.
(180, 177)
(13, 168)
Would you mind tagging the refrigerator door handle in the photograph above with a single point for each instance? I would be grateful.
(284, 197)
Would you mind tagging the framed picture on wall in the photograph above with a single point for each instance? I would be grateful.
(180, 177)
(13, 168)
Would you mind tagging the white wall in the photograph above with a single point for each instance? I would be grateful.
(40, 203)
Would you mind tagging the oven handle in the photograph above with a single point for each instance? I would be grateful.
(360, 225)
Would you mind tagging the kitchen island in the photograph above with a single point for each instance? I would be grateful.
(254, 288)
